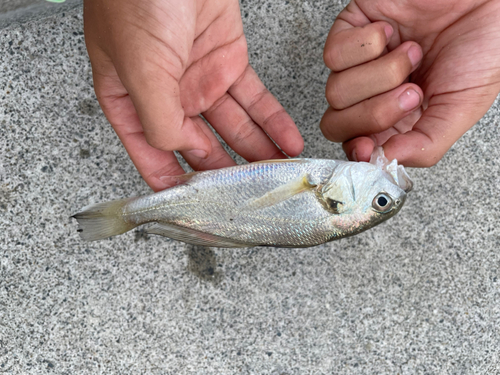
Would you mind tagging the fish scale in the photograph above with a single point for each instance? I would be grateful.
(286, 203)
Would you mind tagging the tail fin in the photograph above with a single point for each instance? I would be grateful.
(103, 220)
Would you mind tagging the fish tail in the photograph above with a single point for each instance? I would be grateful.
(103, 220)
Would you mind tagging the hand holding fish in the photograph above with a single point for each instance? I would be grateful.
(412, 76)
(159, 64)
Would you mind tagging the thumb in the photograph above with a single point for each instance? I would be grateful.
(447, 117)
(149, 57)
(156, 98)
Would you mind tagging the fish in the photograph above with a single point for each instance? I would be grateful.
(280, 203)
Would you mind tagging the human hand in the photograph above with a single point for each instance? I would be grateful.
(449, 50)
(158, 64)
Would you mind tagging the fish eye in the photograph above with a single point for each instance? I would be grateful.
(382, 203)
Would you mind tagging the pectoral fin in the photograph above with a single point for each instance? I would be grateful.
(280, 194)
(338, 192)
(341, 189)
(193, 237)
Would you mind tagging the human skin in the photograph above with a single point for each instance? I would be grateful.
(158, 64)
(441, 57)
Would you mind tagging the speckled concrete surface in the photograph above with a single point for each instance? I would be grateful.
(19, 11)
(419, 294)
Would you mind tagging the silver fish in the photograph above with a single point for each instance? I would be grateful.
(282, 203)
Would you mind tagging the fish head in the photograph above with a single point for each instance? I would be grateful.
(360, 196)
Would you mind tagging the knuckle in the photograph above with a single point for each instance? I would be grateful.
(258, 99)
(218, 103)
(429, 160)
(244, 132)
(423, 156)
(216, 159)
(333, 93)
(159, 142)
(378, 42)
(273, 117)
(333, 58)
(379, 119)
(326, 129)
(332, 98)
(396, 72)
(327, 55)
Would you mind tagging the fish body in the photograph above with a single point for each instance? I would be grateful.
(282, 203)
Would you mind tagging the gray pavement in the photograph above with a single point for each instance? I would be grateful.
(419, 294)
(19, 11)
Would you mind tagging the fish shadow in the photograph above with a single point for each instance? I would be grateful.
(202, 263)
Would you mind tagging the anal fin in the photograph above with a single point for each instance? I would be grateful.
(193, 236)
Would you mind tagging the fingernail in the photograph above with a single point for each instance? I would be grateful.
(415, 55)
(409, 100)
(201, 154)
(388, 31)
(354, 155)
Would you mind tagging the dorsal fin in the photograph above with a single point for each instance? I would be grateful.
(185, 178)
(279, 161)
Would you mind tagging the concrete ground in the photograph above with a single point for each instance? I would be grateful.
(419, 294)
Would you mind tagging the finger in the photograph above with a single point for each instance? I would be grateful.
(240, 132)
(207, 79)
(353, 16)
(158, 106)
(149, 61)
(267, 112)
(443, 122)
(373, 78)
(446, 119)
(364, 145)
(348, 46)
(151, 75)
(153, 164)
(371, 116)
(359, 149)
(219, 158)
(403, 126)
